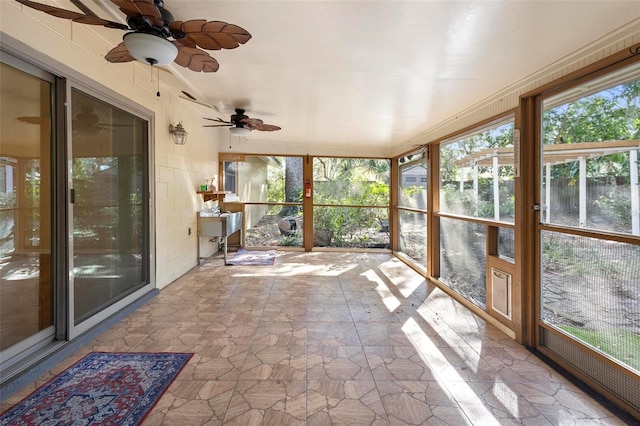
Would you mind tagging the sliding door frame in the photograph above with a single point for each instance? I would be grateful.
(74, 330)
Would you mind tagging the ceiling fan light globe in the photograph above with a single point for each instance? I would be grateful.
(150, 49)
(239, 131)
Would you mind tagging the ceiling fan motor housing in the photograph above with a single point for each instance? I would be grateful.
(142, 23)
(239, 115)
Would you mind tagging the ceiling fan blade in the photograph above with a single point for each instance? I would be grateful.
(119, 54)
(217, 125)
(86, 119)
(189, 95)
(33, 119)
(137, 8)
(257, 124)
(83, 8)
(267, 128)
(74, 16)
(195, 59)
(252, 121)
(219, 120)
(210, 35)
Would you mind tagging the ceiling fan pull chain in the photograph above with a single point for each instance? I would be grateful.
(158, 79)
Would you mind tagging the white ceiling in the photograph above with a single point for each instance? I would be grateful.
(373, 74)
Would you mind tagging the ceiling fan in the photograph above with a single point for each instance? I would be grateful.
(88, 121)
(241, 125)
(84, 121)
(152, 28)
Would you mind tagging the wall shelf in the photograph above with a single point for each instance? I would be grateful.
(212, 195)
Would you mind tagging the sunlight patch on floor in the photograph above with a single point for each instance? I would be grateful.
(407, 285)
(389, 300)
(427, 351)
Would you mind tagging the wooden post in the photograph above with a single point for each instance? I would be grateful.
(496, 187)
(394, 217)
(635, 197)
(475, 187)
(433, 205)
(307, 203)
(547, 193)
(583, 192)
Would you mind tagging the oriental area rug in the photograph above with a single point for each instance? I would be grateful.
(100, 389)
(249, 257)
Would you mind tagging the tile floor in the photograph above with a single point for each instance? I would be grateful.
(335, 338)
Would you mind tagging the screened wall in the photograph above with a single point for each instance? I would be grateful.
(351, 202)
(476, 205)
(589, 250)
(269, 192)
(413, 186)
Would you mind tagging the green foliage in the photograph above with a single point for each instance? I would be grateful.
(611, 114)
(293, 240)
(32, 184)
(496, 137)
(350, 169)
(355, 182)
(413, 196)
(7, 200)
(362, 193)
(457, 201)
(507, 205)
(619, 344)
(558, 255)
(412, 191)
(566, 256)
(344, 222)
(275, 185)
(463, 202)
(298, 196)
(616, 207)
(340, 222)
(485, 209)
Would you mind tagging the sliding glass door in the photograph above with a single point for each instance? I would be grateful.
(75, 218)
(110, 213)
(26, 288)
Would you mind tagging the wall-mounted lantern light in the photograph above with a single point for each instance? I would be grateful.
(178, 134)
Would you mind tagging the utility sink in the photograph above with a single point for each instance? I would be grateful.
(214, 224)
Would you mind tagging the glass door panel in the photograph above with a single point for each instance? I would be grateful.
(26, 302)
(110, 215)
